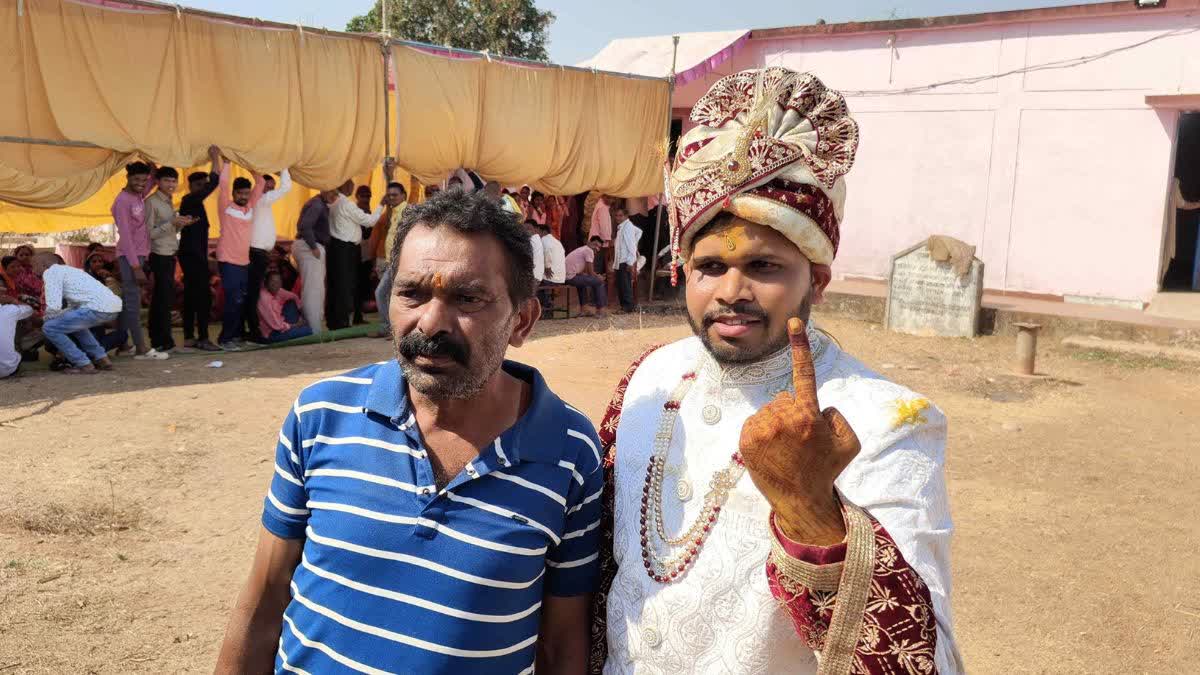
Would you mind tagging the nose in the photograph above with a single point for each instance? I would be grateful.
(733, 288)
(437, 316)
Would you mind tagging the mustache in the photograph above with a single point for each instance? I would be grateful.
(742, 308)
(417, 344)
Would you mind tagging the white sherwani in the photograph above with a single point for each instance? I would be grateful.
(721, 617)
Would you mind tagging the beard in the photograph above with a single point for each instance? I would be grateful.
(469, 369)
(727, 353)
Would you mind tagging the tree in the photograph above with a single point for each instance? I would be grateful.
(501, 27)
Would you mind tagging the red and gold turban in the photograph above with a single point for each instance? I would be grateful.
(772, 147)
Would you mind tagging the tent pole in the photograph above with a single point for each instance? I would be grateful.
(666, 167)
(387, 97)
(47, 141)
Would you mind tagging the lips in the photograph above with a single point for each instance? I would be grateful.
(735, 326)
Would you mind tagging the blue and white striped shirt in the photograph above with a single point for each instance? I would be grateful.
(399, 577)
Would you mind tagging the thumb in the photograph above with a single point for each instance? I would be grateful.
(846, 441)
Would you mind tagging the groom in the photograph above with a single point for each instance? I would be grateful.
(772, 505)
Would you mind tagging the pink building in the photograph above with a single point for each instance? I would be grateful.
(1050, 138)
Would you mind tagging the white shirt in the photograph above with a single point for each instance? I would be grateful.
(9, 316)
(346, 220)
(556, 259)
(262, 232)
(539, 258)
(721, 616)
(628, 236)
(70, 288)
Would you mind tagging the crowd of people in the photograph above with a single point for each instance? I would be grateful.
(248, 285)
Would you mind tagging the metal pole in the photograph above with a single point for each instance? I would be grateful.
(666, 159)
(1027, 335)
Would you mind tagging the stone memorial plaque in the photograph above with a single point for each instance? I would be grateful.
(927, 297)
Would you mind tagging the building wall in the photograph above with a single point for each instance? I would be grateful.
(1058, 172)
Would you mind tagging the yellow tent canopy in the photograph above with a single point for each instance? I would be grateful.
(93, 84)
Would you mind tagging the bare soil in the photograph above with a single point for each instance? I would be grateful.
(129, 502)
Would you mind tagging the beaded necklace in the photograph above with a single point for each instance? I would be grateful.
(665, 569)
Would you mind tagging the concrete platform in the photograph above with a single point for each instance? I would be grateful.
(866, 300)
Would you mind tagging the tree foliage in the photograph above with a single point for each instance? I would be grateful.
(501, 27)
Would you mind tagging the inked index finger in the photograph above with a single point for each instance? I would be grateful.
(804, 376)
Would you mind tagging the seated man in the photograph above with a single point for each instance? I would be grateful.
(11, 312)
(279, 317)
(581, 273)
(555, 262)
(75, 302)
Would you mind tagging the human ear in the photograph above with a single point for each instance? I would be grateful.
(527, 317)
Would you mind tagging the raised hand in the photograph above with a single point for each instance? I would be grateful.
(794, 451)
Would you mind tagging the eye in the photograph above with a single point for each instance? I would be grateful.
(712, 269)
(470, 303)
(764, 266)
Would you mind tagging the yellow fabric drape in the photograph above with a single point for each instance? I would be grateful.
(560, 131)
(166, 85)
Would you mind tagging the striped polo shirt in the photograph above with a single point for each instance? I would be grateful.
(399, 577)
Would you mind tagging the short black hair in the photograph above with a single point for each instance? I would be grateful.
(241, 183)
(397, 186)
(363, 189)
(469, 213)
(137, 169)
(7, 260)
(597, 239)
(197, 175)
(544, 227)
(166, 172)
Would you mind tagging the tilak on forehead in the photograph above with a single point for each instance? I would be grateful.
(772, 146)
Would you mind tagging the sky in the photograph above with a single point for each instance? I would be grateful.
(583, 27)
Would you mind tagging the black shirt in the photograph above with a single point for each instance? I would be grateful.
(193, 239)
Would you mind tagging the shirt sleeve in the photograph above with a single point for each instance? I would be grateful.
(573, 566)
(285, 512)
(267, 315)
(223, 195)
(285, 186)
(53, 290)
(539, 258)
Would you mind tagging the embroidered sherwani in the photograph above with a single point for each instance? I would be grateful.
(754, 602)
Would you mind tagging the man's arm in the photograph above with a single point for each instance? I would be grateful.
(224, 197)
(562, 646)
(356, 215)
(252, 635)
(52, 290)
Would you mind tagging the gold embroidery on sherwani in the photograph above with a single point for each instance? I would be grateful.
(844, 627)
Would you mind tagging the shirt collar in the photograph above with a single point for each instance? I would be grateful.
(532, 437)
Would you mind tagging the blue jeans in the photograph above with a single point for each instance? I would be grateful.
(591, 290)
(383, 299)
(74, 326)
(131, 296)
(234, 279)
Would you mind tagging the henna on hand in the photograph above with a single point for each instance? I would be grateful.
(794, 452)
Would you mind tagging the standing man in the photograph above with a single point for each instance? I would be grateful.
(193, 255)
(164, 224)
(366, 263)
(438, 512)
(309, 249)
(347, 221)
(791, 504)
(236, 209)
(385, 234)
(133, 251)
(625, 258)
(262, 240)
(76, 302)
(581, 273)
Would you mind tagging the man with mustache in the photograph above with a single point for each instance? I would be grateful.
(772, 506)
(438, 512)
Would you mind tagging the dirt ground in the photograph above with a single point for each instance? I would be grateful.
(129, 503)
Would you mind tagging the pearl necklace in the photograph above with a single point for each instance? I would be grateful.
(673, 566)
